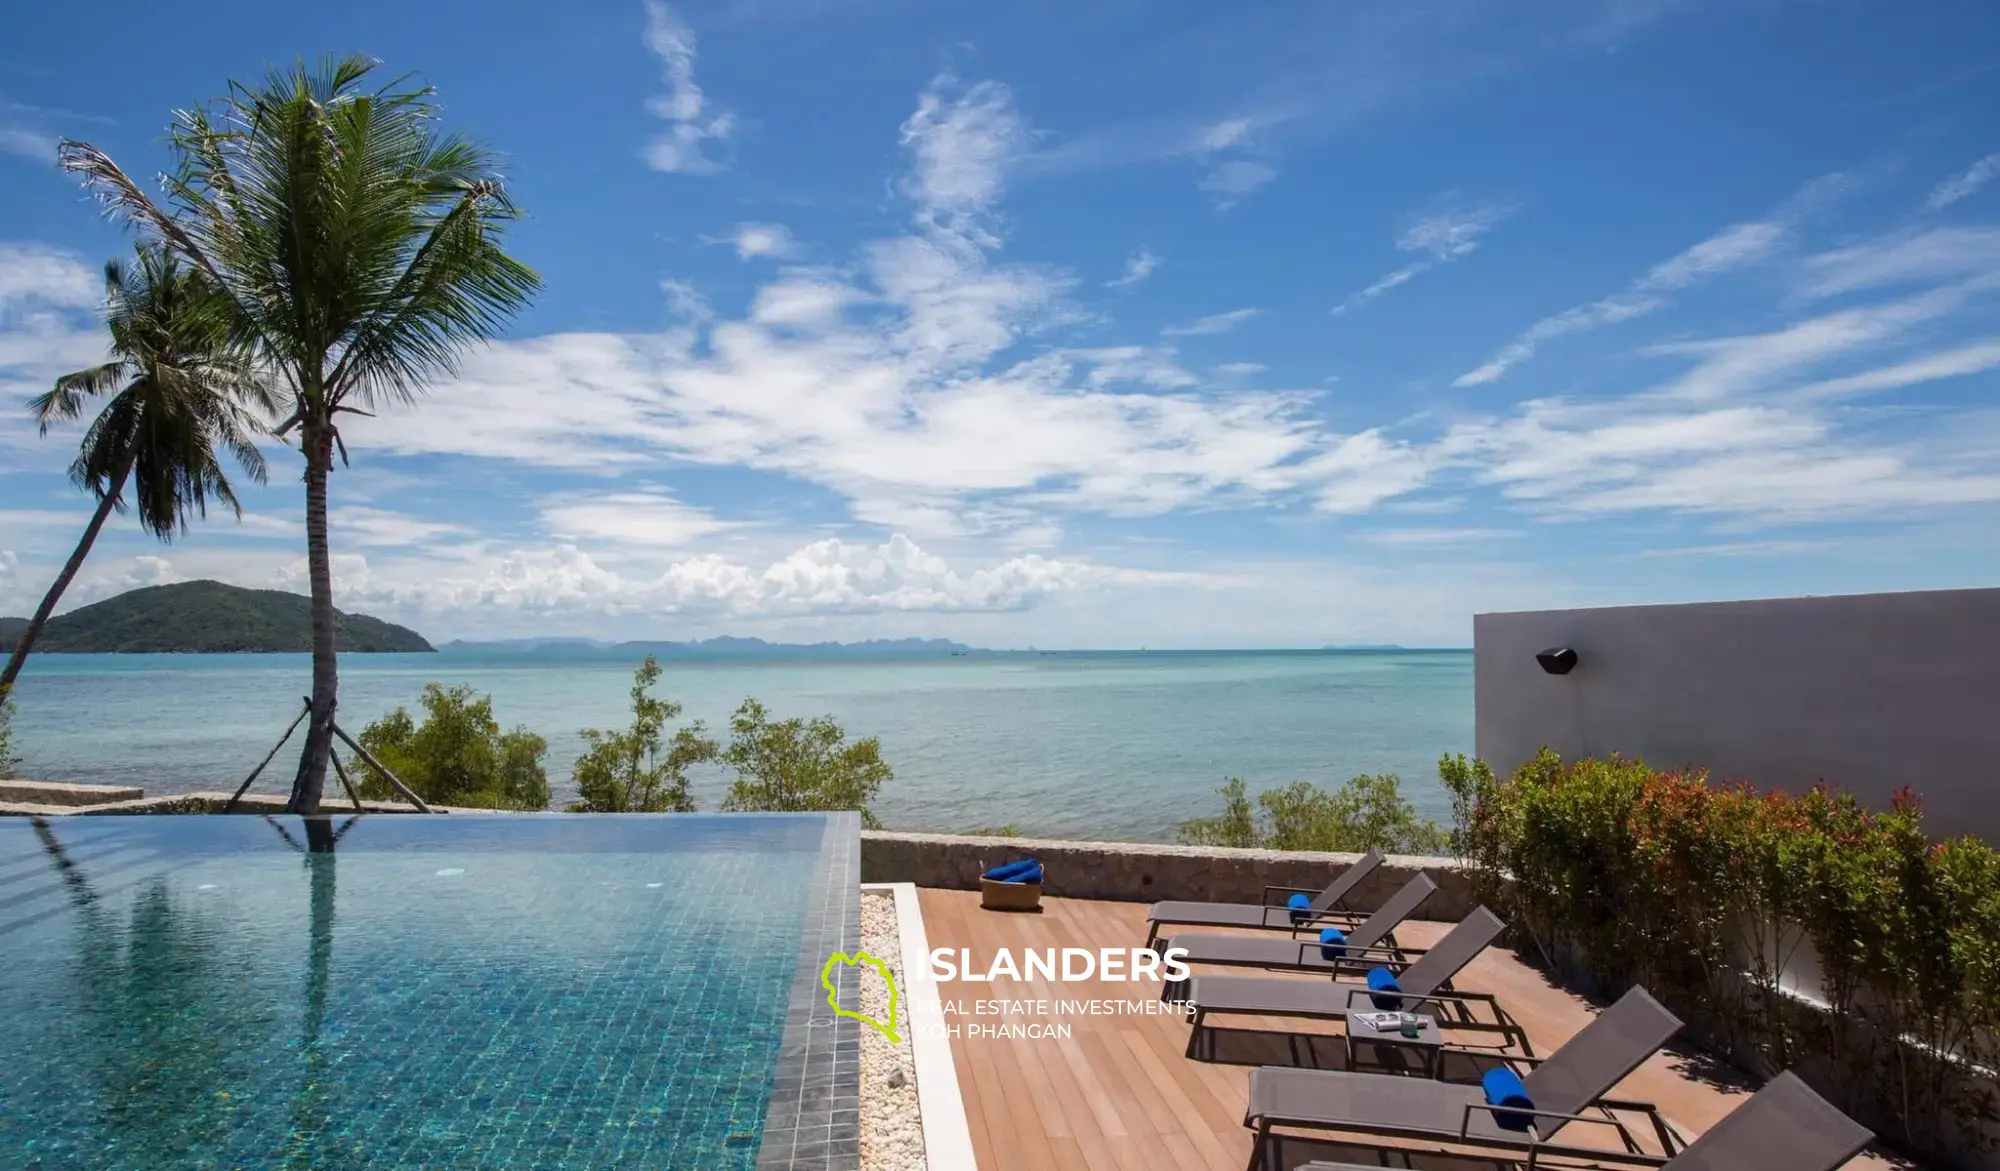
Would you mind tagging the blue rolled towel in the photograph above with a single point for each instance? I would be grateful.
(1332, 943)
(1503, 1088)
(1383, 989)
(1011, 870)
(1033, 874)
(1301, 908)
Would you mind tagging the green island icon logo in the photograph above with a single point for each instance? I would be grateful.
(887, 1029)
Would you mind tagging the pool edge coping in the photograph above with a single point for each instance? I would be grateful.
(940, 1102)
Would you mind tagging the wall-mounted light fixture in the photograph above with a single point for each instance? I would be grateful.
(1557, 660)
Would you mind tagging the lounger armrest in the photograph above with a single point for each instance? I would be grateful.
(1535, 1135)
(1394, 955)
(1287, 890)
(1443, 998)
(1270, 890)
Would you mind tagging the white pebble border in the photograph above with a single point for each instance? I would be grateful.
(892, 1127)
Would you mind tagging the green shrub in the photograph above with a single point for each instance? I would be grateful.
(1704, 893)
(1368, 812)
(457, 756)
(1236, 827)
(625, 772)
(799, 765)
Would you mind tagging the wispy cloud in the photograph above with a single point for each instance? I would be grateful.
(1902, 259)
(1958, 362)
(630, 518)
(1428, 537)
(1232, 160)
(1964, 183)
(57, 277)
(962, 141)
(762, 240)
(1142, 265)
(1734, 247)
(1442, 238)
(1214, 323)
(29, 144)
(680, 148)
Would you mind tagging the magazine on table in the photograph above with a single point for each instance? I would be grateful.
(1387, 1022)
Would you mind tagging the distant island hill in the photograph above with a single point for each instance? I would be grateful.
(209, 617)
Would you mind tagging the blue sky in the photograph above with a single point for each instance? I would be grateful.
(1109, 324)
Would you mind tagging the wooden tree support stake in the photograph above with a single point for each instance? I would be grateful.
(371, 762)
(344, 782)
(255, 772)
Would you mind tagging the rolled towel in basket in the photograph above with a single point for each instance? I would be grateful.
(1024, 870)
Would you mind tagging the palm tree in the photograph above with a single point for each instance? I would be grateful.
(359, 246)
(181, 396)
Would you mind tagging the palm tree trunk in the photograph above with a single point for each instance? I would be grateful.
(19, 658)
(311, 781)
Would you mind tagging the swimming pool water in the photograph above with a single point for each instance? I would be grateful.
(545, 992)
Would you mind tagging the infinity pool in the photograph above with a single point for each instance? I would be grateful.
(545, 992)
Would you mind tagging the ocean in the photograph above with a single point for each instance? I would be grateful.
(1115, 746)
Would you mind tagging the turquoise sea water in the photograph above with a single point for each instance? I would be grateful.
(1118, 746)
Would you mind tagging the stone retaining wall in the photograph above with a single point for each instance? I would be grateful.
(1143, 872)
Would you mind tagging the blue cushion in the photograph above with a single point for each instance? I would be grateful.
(1503, 1088)
(1009, 872)
(1332, 943)
(1301, 907)
(1382, 988)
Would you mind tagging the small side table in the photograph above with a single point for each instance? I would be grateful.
(1427, 1044)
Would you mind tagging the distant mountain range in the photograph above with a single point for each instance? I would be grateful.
(725, 647)
(205, 617)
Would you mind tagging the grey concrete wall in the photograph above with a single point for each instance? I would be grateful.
(1869, 692)
(1140, 872)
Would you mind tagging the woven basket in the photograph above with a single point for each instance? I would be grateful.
(1010, 896)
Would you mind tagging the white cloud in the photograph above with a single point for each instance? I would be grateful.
(360, 525)
(1954, 363)
(1214, 323)
(1902, 259)
(961, 140)
(761, 240)
(1736, 246)
(1729, 366)
(1964, 183)
(1444, 237)
(1232, 162)
(55, 277)
(28, 144)
(1766, 463)
(1241, 368)
(1364, 470)
(630, 518)
(1432, 537)
(1230, 181)
(679, 149)
(824, 577)
(1141, 266)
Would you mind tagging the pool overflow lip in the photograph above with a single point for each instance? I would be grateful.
(813, 1120)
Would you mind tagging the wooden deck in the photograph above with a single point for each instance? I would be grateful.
(1118, 1094)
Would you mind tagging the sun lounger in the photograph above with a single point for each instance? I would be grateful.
(1327, 904)
(1424, 985)
(1558, 1089)
(1783, 1127)
(1367, 946)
